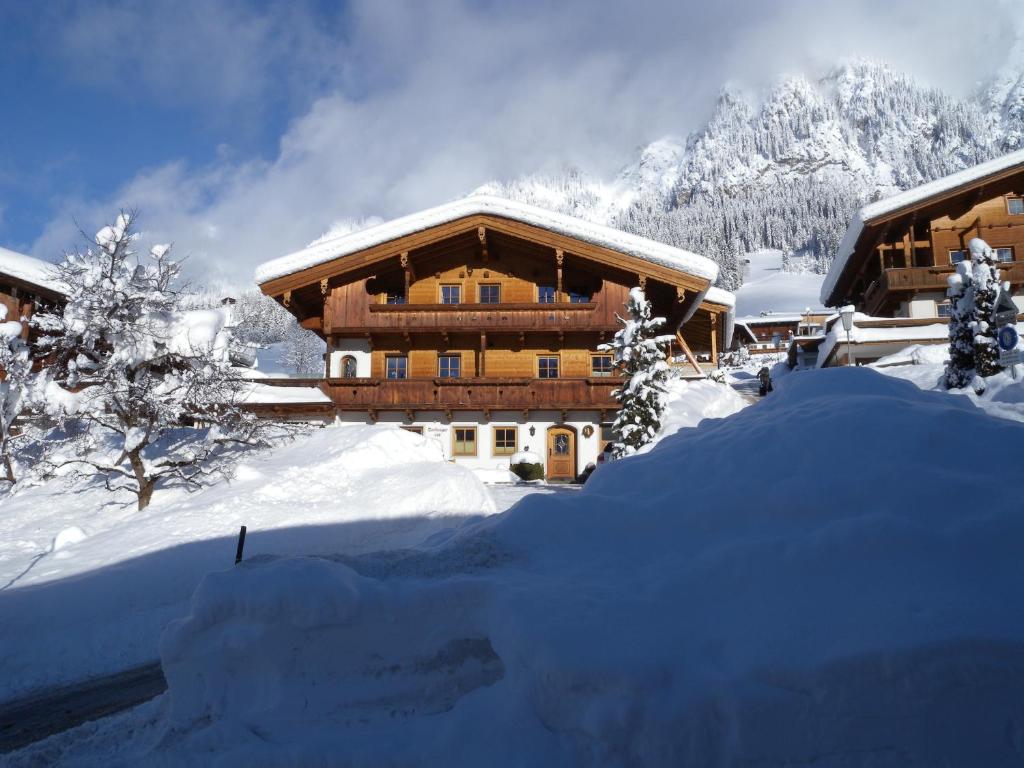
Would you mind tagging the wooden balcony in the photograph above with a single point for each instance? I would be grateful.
(480, 317)
(476, 394)
(893, 283)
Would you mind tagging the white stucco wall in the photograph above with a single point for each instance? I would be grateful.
(435, 426)
(359, 349)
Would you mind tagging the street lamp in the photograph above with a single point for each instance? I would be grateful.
(846, 313)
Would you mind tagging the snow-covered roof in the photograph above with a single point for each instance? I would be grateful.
(910, 197)
(720, 296)
(30, 270)
(597, 234)
(868, 334)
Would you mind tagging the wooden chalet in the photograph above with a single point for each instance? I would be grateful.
(772, 332)
(479, 322)
(899, 252)
(26, 284)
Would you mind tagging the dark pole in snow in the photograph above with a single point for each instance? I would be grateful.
(241, 545)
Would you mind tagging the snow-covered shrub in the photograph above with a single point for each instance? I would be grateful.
(985, 280)
(150, 381)
(960, 365)
(640, 358)
(16, 372)
(973, 292)
(527, 465)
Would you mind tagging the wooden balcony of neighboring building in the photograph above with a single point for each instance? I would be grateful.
(480, 317)
(472, 394)
(893, 284)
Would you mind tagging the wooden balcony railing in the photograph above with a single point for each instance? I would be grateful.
(911, 279)
(482, 317)
(472, 394)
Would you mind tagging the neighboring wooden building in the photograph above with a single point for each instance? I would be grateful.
(898, 254)
(26, 284)
(478, 323)
(771, 333)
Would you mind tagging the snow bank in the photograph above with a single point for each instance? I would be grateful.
(480, 204)
(688, 403)
(715, 601)
(925, 367)
(94, 582)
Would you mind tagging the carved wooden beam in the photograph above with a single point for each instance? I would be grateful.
(369, 341)
(373, 415)
(481, 232)
(410, 273)
(562, 417)
(483, 355)
(680, 295)
(444, 338)
(559, 261)
(641, 280)
(487, 414)
(410, 415)
(448, 414)
(323, 287)
(526, 414)
(286, 300)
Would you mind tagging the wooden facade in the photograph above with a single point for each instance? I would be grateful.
(902, 258)
(488, 319)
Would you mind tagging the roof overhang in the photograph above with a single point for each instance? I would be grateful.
(604, 245)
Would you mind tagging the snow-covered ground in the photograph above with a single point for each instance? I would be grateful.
(924, 365)
(87, 582)
(768, 289)
(762, 590)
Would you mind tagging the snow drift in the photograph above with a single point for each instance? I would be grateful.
(95, 601)
(716, 601)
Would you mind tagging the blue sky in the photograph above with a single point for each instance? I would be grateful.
(242, 130)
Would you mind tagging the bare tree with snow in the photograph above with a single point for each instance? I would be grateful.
(150, 382)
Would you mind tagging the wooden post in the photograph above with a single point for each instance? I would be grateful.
(407, 268)
(327, 356)
(241, 545)
(559, 260)
(483, 353)
(714, 339)
(688, 353)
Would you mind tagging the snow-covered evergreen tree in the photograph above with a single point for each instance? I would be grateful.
(302, 352)
(640, 357)
(149, 382)
(960, 365)
(16, 371)
(986, 284)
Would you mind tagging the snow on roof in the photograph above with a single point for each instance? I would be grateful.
(266, 394)
(936, 331)
(876, 210)
(31, 270)
(720, 296)
(597, 234)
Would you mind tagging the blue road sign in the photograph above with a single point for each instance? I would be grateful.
(1007, 337)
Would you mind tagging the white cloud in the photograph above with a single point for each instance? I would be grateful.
(420, 102)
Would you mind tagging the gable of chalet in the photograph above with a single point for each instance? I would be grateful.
(880, 222)
(469, 223)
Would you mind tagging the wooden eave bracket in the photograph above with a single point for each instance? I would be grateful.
(481, 232)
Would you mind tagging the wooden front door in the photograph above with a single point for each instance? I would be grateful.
(561, 454)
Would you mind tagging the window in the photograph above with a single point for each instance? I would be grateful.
(601, 365)
(579, 296)
(1015, 205)
(464, 441)
(547, 367)
(545, 294)
(394, 297)
(449, 366)
(955, 257)
(504, 441)
(348, 367)
(451, 294)
(490, 294)
(945, 309)
(607, 432)
(397, 366)
(1004, 254)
